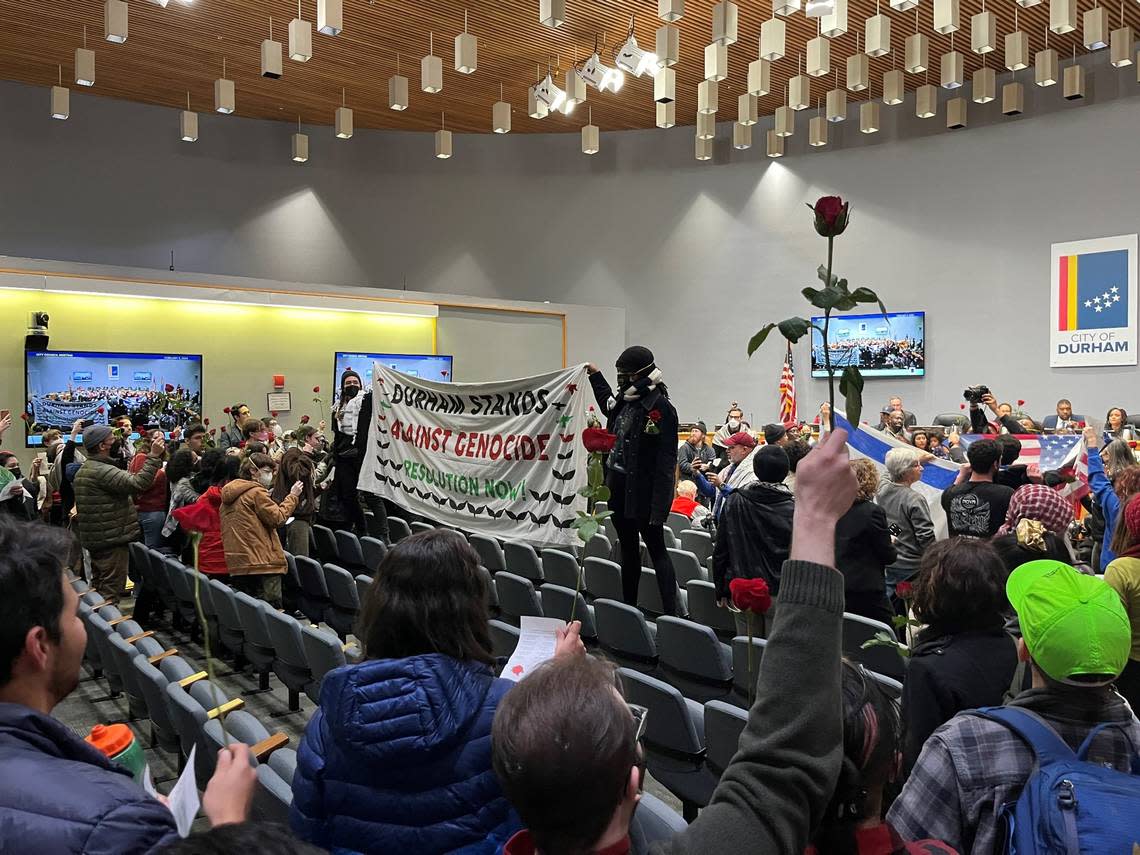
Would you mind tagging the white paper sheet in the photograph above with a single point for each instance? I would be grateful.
(537, 638)
(183, 800)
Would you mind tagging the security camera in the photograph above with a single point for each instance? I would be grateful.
(37, 335)
(37, 321)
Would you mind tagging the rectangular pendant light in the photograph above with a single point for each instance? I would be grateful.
(115, 21)
(716, 62)
(342, 123)
(818, 8)
(869, 117)
(397, 92)
(773, 36)
(188, 126)
(670, 10)
(817, 132)
(747, 109)
(1062, 16)
(60, 102)
(576, 87)
(667, 115)
(443, 144)
(591, 139)
(431, 74)
(834, 24)
(877, 35)
(535, 107)
(799, 92)
(1045, 67)
(300, 148)
(894, 87)
(1120, 49)
(466, 53)
(926, 101)
(707, 96)
(741, 136)
(956, 113)
(300, 40)
(947, 16)
(1074, 82)
(775, 147)
(271, 59)
(785, 121)
(983, 32)
(983, 85)
(84, 67)
(1095, 28)
(703, 150)
(224, 96)
(330, 17)
(1017, 50)
(837, 105)
(552, 13)
(706, 126)
(818, 57)
(903, 5)
(725, 23)
(917, 54)
(952, 75)
(858, 72)
(668, 45)
(759, 77)
(1025, 4)
(1013, 99)
(664, 86)
(501, 117)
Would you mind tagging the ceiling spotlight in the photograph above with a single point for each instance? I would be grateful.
(342, 119)
(819, 8)
(224, 100)
(601, 76)
(330, 17)
(629, 57)
(300, 145)
(442, 139)
(115, 21)
(271, 55)
(188, 123)
(547, 92)
(300, 38)
(60, 99)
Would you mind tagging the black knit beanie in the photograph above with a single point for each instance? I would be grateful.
(770, 464)
(634, 360)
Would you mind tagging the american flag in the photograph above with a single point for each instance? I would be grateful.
(788, 390)
(1063, 453)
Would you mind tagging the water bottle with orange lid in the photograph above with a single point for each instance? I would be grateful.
(118, 742)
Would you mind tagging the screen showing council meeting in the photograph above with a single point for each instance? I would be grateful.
(429, 367)
(153, 389)
(891, 346)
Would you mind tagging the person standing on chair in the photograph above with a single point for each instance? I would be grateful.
(640, 470)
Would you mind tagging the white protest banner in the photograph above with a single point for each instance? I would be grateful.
(1094, 302)
(63, 414)
(503, 459)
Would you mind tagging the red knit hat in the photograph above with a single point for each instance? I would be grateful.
(741, 438)
(1132, 517)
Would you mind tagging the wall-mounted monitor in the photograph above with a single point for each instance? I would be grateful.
(427, 366)
(62, 386)
(891, 346)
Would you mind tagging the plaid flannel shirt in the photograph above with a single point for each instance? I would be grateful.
(971, 766)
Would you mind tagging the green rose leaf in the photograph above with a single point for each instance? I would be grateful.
(821, 272)
(758, 339)
(866, 295)
(851, 388)
(587, 529)
(793, 329)
(602, 494)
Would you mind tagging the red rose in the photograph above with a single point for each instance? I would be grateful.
(226, 411)
(831, 215)
(24, 416)
(597, 439)
(270, 437)
(304, 420)
(1020, 402)
(655, 415)
(100, 411)
(206, 422)
(1081, 425)
(316, 390)
(750, 595)
(213, 431)
(169, 388)
(961, 406)
(904, 590)
(274, 415)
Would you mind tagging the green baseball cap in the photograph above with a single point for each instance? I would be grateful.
(1072, 624)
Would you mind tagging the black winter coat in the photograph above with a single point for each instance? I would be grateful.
(863, 548)
(754, 536)
(651, 458)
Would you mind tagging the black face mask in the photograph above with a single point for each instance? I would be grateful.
(349, 392)
(16, 473)
(624, 381)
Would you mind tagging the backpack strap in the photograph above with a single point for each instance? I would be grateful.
(1083, 751)
(1037, 734)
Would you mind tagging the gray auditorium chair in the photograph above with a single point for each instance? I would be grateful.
(703, 608)
(740, 674)
(564, 604)
(694, 659)
(374, 551)
(257, 644)
(894, 687)
(363, 583)
(324, 652)
(678, 523)
(325, 544)
(517, 597)
(649, 595)
(182, 583)
(315, 601)
(344, 603)
(190, 715)
(687, 566)
(521, 559)
(152, 684)
(420, 527)
(274, 793)
(883, 660)
(350, 551)
(625, 635)
(154, 574)
(561, 568)
(398, 529)
(597, 546)
(124, 655)
(289, 663)
(602, 578)
(699, 543)
(724, 722)
(492, 598)
(100, 631)
(230, 631)
(653, 822)
(674, 740)
(504, 638)
(489, 552)
(91, 654)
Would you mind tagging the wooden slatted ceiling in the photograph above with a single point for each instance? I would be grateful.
(180, 48)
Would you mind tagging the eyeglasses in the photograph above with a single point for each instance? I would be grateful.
(640, 717)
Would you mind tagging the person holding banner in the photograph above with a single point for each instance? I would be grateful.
(641, 469)
(345, 502)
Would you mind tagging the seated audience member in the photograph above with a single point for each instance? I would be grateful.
(693, 450)
(734, 424)
(1036, 526)
(1117, 426)
(977, 506)
(1076, 638)
(796, 450)
(755, 530)
(59, 794)
(863, 548)
(231, 435)
(262, 838)
(1011, 473)
(1062, 421)
(687, 505)
(775, 434)
(566, 745)
(1003, 409)
(872, 740)
(250, 519)
(1123, 576)
(397, 758)
(963, 657)
(954, 446)
(923, 441)
(203, 517)
(908, 513)
(895, 425)
(1117, 465)
(22, 503)
(896, 403)
(741, 448)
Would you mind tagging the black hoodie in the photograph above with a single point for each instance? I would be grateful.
(754, 536)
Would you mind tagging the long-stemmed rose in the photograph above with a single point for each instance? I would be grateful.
(752, 597)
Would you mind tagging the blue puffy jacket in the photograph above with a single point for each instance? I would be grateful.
(58, 794)
(398, 759)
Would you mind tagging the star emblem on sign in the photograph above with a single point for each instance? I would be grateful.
(563, 421)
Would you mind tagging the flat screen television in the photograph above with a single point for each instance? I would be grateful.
(894, 346)
(427, 366)
(61, 386)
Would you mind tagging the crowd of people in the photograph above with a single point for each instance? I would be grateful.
(1008, 624)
